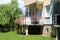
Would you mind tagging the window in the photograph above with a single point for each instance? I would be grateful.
(26, 11)
(48, 8)
(57, 8)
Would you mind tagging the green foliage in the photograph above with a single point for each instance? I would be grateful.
(4, 17)
(53, 33)
(9, 12)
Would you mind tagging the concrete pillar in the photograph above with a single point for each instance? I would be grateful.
(47, 30)
(56, 34)
(26, 30)
(22, 28)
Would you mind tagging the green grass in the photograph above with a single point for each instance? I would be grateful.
(14, 36)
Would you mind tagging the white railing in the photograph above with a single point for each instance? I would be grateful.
(41, 22)
(27, 21)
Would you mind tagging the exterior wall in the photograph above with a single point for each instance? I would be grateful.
(46, 16)
(47, 12)
(47, 30)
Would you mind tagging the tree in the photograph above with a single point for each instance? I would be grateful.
(8, 13)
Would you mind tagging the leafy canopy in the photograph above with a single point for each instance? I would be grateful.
(9, 12)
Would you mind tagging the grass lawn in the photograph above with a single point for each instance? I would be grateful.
(14, 36)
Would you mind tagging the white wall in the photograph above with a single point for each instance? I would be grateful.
(45, 14)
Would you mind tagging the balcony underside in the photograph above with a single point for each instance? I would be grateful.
(56, 1)
(45, 3)
(29, 3)
(33, 24)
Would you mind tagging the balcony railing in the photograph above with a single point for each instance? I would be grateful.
(28, 21)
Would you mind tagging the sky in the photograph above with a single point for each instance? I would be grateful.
(21, 4)
(5, 1)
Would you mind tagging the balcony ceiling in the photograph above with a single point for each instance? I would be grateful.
(28, 2)
(57, 1)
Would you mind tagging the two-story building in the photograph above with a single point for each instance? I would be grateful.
(56, 18)
(38, 19)
(39, 15)
(41, 11)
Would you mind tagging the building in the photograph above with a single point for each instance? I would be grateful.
(38, 17)
(40, 8)
(56, 18)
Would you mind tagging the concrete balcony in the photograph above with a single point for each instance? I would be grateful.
(47, 2)
(28, 2)
(44, 2)
(41, 22)
(28, 21)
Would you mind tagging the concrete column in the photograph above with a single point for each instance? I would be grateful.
(26, 30)
(56, 34)
(22, 28)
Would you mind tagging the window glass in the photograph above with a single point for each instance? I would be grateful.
(26, 11)
(57, 8)
(48, 8)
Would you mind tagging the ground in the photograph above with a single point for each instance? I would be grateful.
(14, 36)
